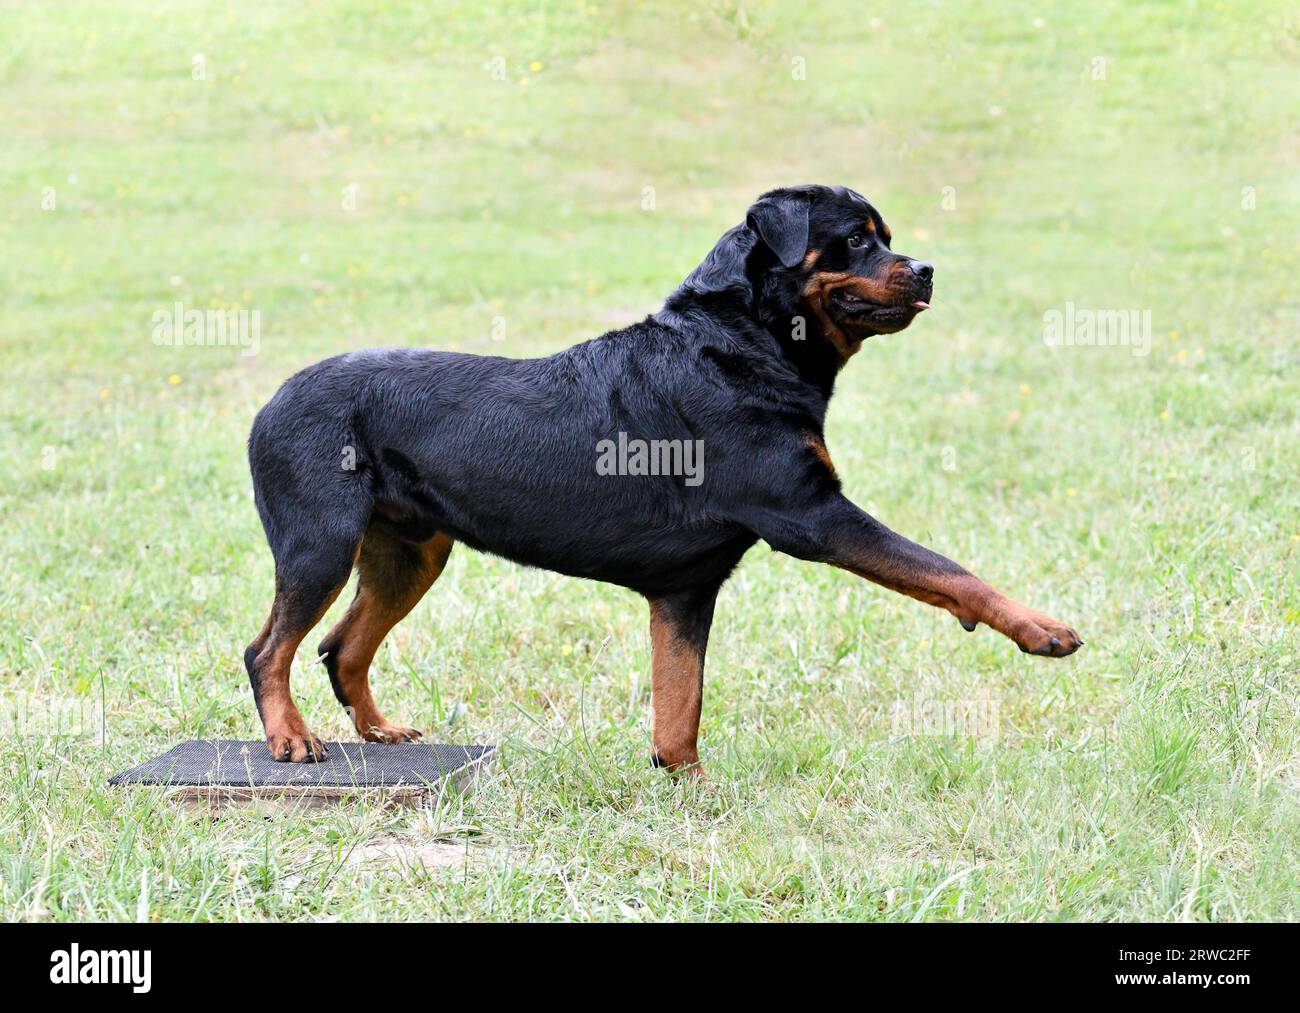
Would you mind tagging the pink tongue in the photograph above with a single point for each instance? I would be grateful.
(920, 305)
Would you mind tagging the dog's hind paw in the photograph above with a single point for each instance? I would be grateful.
(390, 733)
(296, 747)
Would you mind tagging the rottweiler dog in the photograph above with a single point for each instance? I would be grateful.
(652, 457)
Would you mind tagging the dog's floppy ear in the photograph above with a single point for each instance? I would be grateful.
(781, 221)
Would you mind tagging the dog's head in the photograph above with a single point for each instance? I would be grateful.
(820, 252)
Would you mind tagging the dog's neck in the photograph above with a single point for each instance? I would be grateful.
(819, 354)
(801, 347)
(737, 286)
(806, 336)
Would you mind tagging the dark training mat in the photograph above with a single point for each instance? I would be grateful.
(238, 764)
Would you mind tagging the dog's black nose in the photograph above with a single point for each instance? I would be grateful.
(921, 269)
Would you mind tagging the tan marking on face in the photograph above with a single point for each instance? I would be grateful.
(871, 226)
(818, 290)
(811, 259)
(889, 236)
(872, 289)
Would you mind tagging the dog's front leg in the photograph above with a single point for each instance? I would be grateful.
(836, 531)
(679, 634)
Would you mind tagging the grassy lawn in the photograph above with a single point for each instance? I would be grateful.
(365, 174)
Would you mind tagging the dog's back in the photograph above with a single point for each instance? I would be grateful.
(502, 454)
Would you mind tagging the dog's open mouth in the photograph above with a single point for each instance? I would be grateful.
(855, 308)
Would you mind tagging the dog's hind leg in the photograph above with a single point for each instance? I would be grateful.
(679, 634)
(313, 486)
(394, 575)
(305, 586)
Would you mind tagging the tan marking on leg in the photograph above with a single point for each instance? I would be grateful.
(384, 597)
(677, 687)
(287, 734)
(973, 601)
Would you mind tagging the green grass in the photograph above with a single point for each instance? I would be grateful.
(1151, 501)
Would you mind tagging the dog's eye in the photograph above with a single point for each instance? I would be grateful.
(856, 240)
